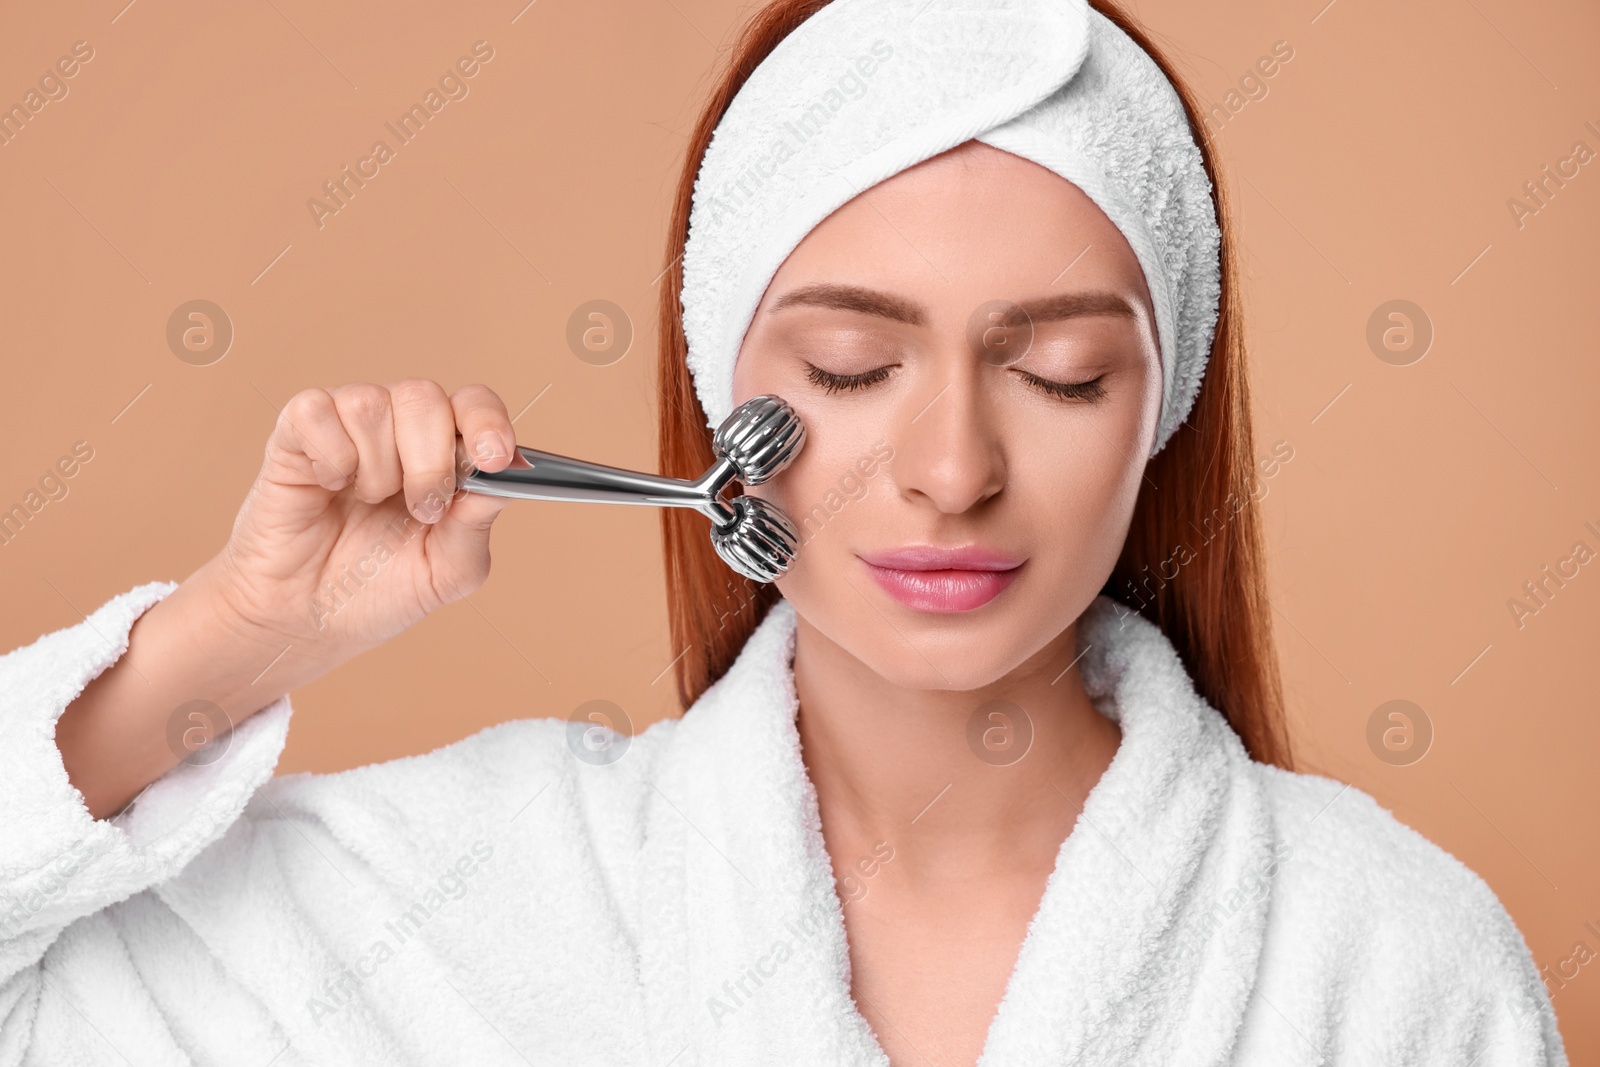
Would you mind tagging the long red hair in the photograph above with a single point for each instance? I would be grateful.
(1208, 598)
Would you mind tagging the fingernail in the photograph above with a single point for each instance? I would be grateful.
(431, 507)
(487, 446)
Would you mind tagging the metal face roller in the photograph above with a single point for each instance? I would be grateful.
(760, 438)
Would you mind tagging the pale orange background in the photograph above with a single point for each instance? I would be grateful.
(1377, 167)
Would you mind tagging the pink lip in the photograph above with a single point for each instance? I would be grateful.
(929, 578)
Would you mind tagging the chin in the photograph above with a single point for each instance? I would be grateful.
(910, 671)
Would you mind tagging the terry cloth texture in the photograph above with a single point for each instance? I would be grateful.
(503, 900)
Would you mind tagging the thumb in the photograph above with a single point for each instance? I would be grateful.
(461, 536)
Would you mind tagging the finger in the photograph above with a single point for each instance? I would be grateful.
(425, 435)
(462, 537)
(309, 438)
(484, 425)
(364, 410)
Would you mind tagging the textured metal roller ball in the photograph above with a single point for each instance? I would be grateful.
(760, 543)
(760, 438)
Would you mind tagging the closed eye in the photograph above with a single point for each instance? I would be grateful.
(1090, 390)
(837, 383)
(830, 382)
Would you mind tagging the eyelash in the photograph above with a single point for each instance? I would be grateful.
(846, 383)
(1090, 391)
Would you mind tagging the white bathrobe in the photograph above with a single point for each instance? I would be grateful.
(501, 901)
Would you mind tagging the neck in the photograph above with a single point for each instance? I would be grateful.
(908, 767)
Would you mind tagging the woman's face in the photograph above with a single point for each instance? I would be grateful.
(972, 347)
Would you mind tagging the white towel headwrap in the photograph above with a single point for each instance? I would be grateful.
(864, 89)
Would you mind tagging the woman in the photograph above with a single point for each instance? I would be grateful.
(993, 774)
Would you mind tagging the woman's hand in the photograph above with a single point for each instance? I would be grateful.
(354, 530)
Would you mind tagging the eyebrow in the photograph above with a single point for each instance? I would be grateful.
(1052, 308)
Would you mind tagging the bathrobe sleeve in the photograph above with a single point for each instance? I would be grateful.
(230, 912)
(58, 863)
(1382, 947)
(1522, 1026)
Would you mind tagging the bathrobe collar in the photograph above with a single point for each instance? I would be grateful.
(1147, 937)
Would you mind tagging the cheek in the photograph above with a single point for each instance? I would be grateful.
(1078, 487)
(826, 489)
(1086, 498)
(836, 494)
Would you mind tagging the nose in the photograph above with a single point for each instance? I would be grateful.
(948, 449)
